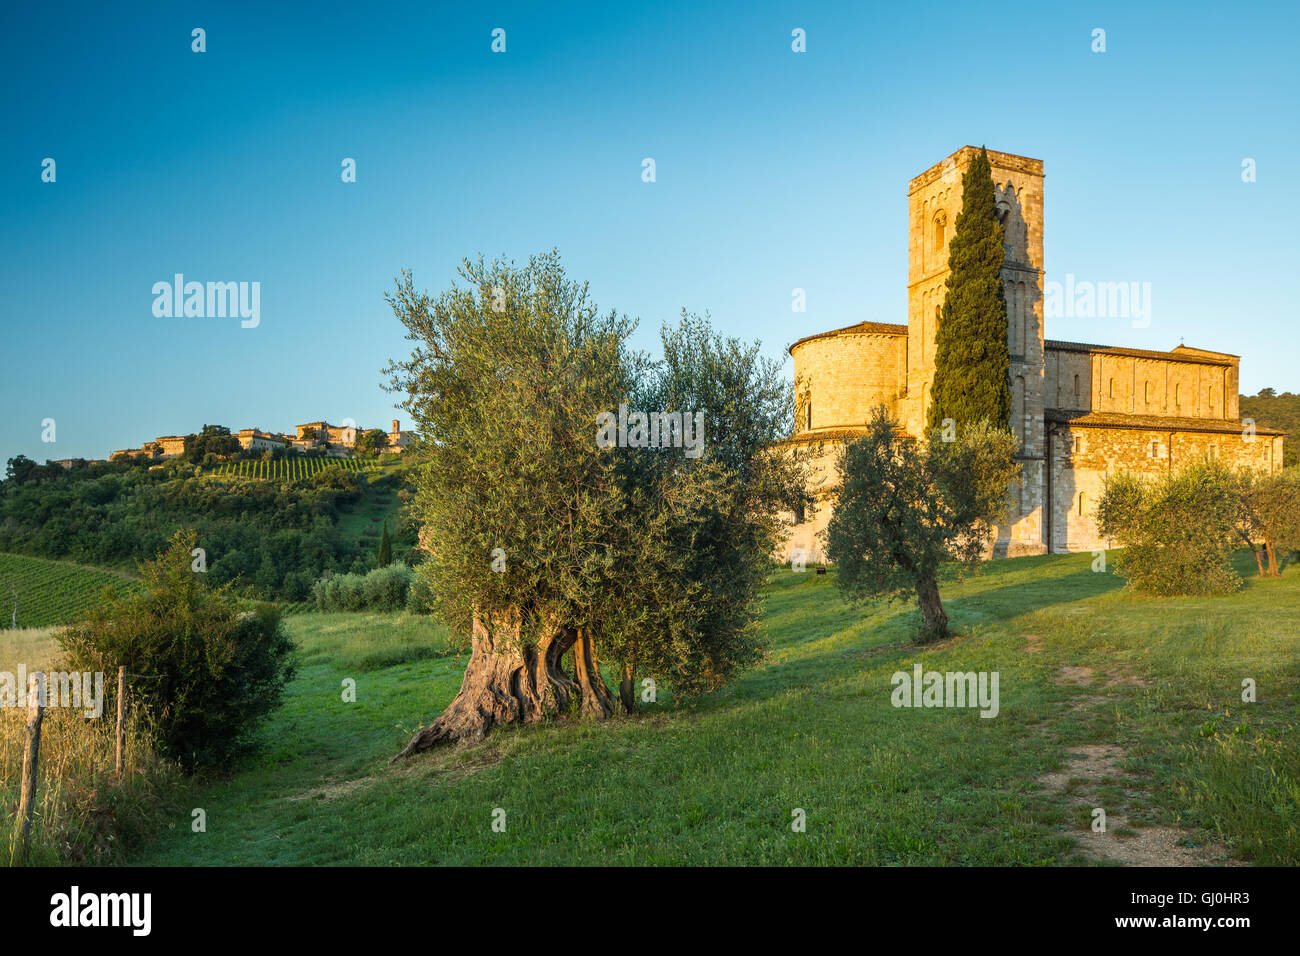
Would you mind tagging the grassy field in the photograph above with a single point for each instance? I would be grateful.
(51, 592)
(1106, 701)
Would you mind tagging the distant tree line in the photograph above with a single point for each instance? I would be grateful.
(1271, 410)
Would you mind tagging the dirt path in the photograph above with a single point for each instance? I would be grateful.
(1090, 768)
(1094, 766)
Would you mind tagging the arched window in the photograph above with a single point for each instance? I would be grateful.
(1081, 503)
(1146, 393)
(1112, 388)
(1178, 390)
(1076, 392)
(940, 231)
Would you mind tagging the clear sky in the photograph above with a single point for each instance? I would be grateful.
(775, 170)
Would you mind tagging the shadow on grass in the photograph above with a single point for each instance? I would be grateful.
(812, 629)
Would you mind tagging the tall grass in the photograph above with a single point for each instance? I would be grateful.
(83, 813)
(1247, 787)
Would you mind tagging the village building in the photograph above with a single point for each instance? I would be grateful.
(341, 440)
(398, 440)
(171, 446)
(252, 439)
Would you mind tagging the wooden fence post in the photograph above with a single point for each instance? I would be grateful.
(31, 758)
(121, 714)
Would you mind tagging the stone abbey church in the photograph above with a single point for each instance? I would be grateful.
(1080, 411)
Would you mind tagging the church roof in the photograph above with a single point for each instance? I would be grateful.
(1182, 353)
(880, 328)
(1164, 423)
(835, 433)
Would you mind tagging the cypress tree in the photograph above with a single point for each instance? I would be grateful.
(972, 364)
(385, 548)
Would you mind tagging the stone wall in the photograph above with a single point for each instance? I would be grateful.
(1082, 457)
(1068, 379)
(1132, 384)
(805, 538)
(842, 376)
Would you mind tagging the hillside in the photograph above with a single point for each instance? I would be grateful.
(1106, 701)
(1277, 411)
(271, 538)
(293, 468)
(47, 593)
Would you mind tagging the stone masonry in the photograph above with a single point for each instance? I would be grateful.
(1081, 411)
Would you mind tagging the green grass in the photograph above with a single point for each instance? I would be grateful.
(51, 592)
(811, 729)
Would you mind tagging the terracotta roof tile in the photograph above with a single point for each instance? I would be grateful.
(1196, 357)
(882, 328)
(1086, 419)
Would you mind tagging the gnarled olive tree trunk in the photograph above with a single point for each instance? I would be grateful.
(934, 618)
(508, 681)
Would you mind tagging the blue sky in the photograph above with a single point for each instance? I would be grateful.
(775, 170)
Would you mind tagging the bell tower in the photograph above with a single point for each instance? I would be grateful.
(933, 202)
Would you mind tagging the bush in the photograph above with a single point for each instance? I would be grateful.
(203, 670)
(419, 599)
(383, 589)
(1177, 531)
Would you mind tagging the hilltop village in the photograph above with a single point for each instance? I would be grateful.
(340, 441)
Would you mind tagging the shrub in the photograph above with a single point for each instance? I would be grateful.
(383, 589)
(203, 670)
(419, 598)
(1177, 531)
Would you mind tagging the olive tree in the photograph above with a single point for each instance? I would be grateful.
(1177, 531)
(905, 507)
(551, 545)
